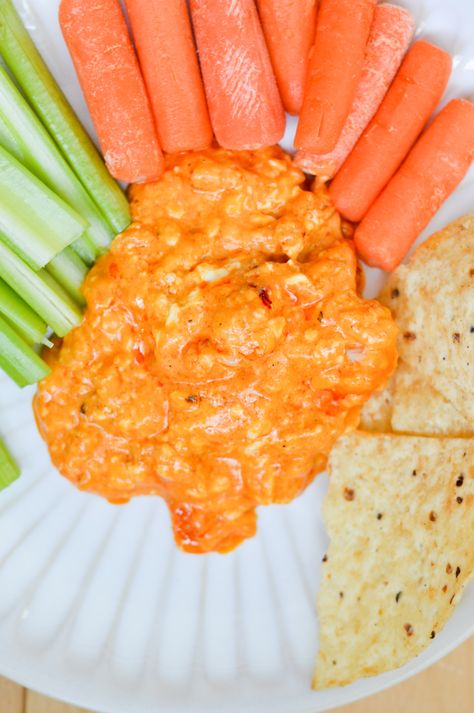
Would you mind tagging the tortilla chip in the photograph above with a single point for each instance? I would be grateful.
(410, 404)
(400, 515)
(418, 408)
(376, 414)
(432, 299)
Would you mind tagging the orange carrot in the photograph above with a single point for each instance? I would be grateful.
(165, 46)
(413, 96)
(102, 52)
(289, 27)
(431, 172)
(334, 70)
(242, 94)
(390, 35)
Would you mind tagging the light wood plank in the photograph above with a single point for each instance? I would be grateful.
(446, 687)
(12, 697)
(36, 703)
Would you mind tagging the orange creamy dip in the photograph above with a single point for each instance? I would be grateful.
(223, 351)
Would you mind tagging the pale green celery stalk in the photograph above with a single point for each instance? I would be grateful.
(83, 246)
(44, 295)
(9, 471)
(43, 93)
(35, 149)
(20, 315)
(85, 250)
(7, 139)
(18, 359)
(38, 223)
(70, 271)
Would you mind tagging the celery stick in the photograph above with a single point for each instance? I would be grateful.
(43, 93)
(85, 249)
(7, 140)
(83, 245)
(69, 270)
(20, 315)
(40, 291)
(34, 219)
(17, 358)
(23, 134)
(9, 470)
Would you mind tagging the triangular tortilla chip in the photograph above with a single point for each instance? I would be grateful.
(410, 404)
(432, 299)
(376, 413)
(400, 516)
(417, 407)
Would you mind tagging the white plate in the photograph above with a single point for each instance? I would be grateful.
(98, 607)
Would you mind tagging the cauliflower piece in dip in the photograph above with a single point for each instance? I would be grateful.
(224, 349)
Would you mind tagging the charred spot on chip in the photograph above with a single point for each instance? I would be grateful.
(397, 596)
(460, 480)
(472, 330)
(449, 569)
(341, 595)
(445, 588)
(409, 629)
(409, 336)
(452, 598)
(192, 399)
(459, 500)
(433, 634)
(320, 316)
(395, 293)
(265, 297)
(325, 558)
(334, 662)
(379, 516)
(83, 409)
(433, 516)
(349, 494)
(456, 337)
(457, 572)
(414, 472)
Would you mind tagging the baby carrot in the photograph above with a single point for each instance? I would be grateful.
(242, 94)
(334, 70)
(98, 40)
(390, 35)
(413, 96)
(165, 46)
(289, 27)
(431, 172)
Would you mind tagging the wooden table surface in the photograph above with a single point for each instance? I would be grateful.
(447, 687)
